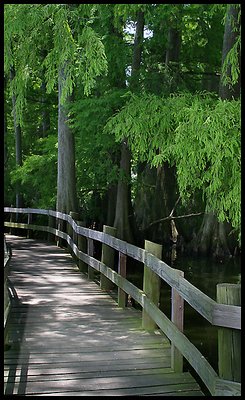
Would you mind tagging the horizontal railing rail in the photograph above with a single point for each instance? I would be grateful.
(221, 315)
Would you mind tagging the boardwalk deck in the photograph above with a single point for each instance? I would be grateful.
(68, 337)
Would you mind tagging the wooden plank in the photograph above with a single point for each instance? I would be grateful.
(108, 383)
(156, 391)
(151, 285)
(227, 388)
(84, 332)
(107, 257)
(58, 375)
(122, 270)
(229, 340)
(94, 356)
(194, 357)
(177, 317)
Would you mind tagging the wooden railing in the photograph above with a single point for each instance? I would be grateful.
(226, 316)
(7, 293)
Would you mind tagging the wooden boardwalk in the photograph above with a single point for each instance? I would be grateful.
(68, 337)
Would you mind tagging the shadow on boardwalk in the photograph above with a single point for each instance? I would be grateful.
(14, 344)
(68, 337)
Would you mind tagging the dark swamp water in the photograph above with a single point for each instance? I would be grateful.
(205, 274)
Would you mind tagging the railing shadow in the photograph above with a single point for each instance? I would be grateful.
(16, 366)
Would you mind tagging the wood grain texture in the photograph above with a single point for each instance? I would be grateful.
(68, 337)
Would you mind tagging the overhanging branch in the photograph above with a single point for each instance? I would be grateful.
(170, 217)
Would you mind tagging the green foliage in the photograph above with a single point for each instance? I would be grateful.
(232, 59)
(38, 174)
(96, 150)
(207, 153)
(93, 58)
(29, 28)
(199, 134)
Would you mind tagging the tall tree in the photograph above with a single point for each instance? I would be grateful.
(230, 82)
(18, 141)
(212, 237)
(66, 177)
(75, 50)
(123, 204)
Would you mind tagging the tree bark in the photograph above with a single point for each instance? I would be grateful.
(18, 142)
(5, 126)
(121, 222)
(212, 236)
(123, 204)
(227, 92)
(166, 185)
(137, 53)
(173, 50)
(173, 46)
(66, 181)
(111, 204)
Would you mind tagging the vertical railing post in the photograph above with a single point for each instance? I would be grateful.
(51, 224)
(229, 340)
(107, 258)
(151, 284)
(11, 219)
(90, 251)
(122, 266)
(70, 230)
(82, 246)
(29, 221)
(177, 317)
(59, 226)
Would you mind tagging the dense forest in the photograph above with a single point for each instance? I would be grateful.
(128, 114)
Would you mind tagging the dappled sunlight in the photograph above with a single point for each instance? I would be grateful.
(71, 329)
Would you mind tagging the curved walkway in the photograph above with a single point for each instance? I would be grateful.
(69, 338)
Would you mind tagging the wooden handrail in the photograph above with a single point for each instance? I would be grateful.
(217, 314)
(7, 298)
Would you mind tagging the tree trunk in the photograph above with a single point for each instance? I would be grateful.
(166, 185)
(5, 130)
(18, 143)
(123, 205)
(173, 50)
(227, 92)
(212, 236)
(66, 181)
(137, 54)
(155, 199)
(111, 204)
(173, 46)
(121, 222)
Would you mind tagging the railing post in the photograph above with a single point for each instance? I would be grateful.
(7, 302)
(122, 265)
(90, 251)
(60, 227)
(11, 219)
(107, 257)
(70, 231)
(229, 340)
(151, 284)
(29, 221)
(51, 224)
(82, 246)
(177, 317)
